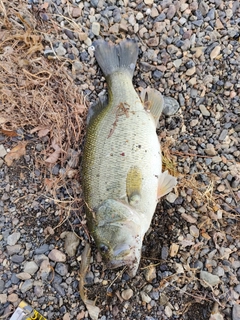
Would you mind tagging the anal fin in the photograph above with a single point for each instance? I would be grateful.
(166, 183)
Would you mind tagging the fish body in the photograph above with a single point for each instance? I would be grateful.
(122, 164)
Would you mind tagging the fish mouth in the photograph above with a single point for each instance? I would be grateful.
(125, 257)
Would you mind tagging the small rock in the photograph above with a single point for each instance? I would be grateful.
(13, 249)
(171, 197)
(209, 150)
(76, 12)
(191, 71)
(188, 218)
(127, 294)
(164, 253)
(177, 63)
(13, 297)
(153, 42)
(173, 249)
(215, 52)
(27, 285)
(13, 238)
(56, 255)
(208, 278)
(17, 258)
(194, 231)
(82, 36)
(168, 311)
(45, 269)
(71, 243)
(193, 122)
(2, 286)
(23, 276)
(60, 50)
(163, 299)
(3, 298)
(30, 267)
(179, 268)
(96, 28)
(171, 11)
(223, 134)
(145, 297)
(204, 110)
(150, 273)
(3, 151)
(42, 249)
(171, 106)
(236, 312)
(38, 291)
(61, 269)
(148, 2)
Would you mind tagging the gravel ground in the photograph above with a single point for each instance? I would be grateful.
(190, 267)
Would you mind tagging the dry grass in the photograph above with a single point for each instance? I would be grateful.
(36, 92)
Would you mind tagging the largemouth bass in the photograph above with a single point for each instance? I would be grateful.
(122, 168)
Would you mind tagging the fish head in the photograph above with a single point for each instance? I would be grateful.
(118, 235)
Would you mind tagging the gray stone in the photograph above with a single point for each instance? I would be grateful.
(171, 106)
(57, 255)
(27, 285)
(38, 291)
(13, 238)
(96, 28)
(209, 278)
(60, 50)
(204, 110)
(171, 197)
(13, 249)
(61, 269)
(223, 134)
(209, 150)
(3, 151)
(44, 248)
(71, 243)
(17, 258)
(30, 267)
(236, 312)
(164, 253)
(2, 286)
(59, 289)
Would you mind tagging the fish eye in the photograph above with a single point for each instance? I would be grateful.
(103, 248)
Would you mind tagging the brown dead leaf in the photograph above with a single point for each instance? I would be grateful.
(43, 132)
(55, 155)
(9, 133)
(53, 158)
(48, 183)
(16, 152)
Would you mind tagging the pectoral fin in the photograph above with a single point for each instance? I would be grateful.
(134, 185)
(166, 183)
(154, 102)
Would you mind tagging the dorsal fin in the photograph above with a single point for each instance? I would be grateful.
(154, 102)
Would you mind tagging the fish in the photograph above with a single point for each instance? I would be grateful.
(122, 174)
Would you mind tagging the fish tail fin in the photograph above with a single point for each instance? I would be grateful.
(111, 58)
